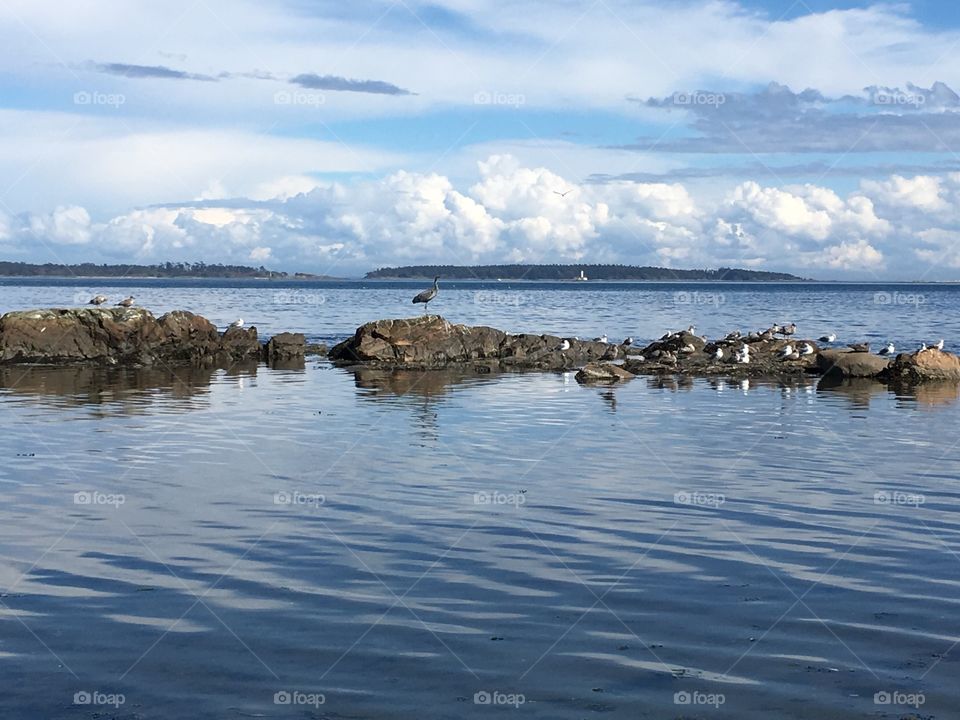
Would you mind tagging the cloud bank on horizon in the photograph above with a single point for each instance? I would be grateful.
(338, 139)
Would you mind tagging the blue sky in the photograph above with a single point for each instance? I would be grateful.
(808, 136)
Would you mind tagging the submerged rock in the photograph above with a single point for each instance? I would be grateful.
(929, 364)
(603, 373)
(431, 341)
(114, 336)
(850, 363)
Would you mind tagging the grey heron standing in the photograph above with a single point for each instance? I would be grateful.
(427, 295)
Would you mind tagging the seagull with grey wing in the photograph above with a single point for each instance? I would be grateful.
(427, 295)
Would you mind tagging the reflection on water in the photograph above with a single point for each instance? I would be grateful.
(401, 542)
(861, 391)
(124, 389)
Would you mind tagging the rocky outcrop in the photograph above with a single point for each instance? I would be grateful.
(851, 364)
(603, 373)
(432, 342)
(114, 336)
(285, 346)
(923, 365)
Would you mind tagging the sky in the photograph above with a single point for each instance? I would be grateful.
(814, 137)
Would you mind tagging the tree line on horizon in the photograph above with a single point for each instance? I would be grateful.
(572, 272)
(165, 270)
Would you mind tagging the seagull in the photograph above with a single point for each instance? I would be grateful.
(923, 346)
(938, 345)
(691, 329)
(98, 300)
(890, 349)
(807, 349)
(126, 302)
(787, 351)
(776, 329)
(718, 354)
(238, 323)
(688, 348)
(565, 345)
(628, 342)
(788, 329)
(832, 337)
(427, 295)
(602, 338)
(859, 347)
(562, 194)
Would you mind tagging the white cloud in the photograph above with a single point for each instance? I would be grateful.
(513, 213)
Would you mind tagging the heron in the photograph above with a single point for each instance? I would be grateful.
(126, 302)
(427, 295)
(98, 300)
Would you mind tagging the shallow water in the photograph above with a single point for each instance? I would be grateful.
(401, 543)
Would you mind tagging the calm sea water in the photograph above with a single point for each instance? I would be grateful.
(314, 542)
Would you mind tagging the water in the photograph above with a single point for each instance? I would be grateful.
(410, 545)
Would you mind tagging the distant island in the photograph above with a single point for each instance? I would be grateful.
(161, 270)
(576, 272)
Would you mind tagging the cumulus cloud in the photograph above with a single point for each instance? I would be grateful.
(514, 213)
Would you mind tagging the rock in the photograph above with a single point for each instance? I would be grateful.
(113, 336)
(848, 363)
(930, 364)
(430, 342)
(603, 372)
(285, 346)
(316, 349)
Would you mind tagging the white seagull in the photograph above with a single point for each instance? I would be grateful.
(890, 349)
(628, 342)
(718, 354)
(238, 323)
(98, 300)
(938, 344)
(832, 337)
(602, 338)
(565, 345)
(787, 351)
(807, 349)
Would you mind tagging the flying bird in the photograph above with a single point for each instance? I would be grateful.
(427, 295)
(562, 194)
